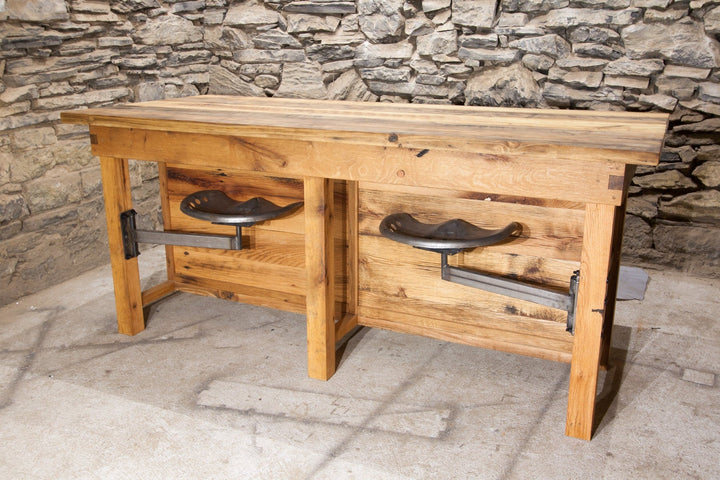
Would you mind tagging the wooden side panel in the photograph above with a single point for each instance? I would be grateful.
(244, 294)
(270, 269)
(167, 218)
(400, 287)
(558, 237)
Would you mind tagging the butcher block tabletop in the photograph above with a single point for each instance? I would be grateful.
(628, 137)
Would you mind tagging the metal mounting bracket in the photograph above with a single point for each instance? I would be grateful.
(132, 236)
(457, 235)
(515, 289)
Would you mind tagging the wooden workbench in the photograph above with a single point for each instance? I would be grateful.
(562, 175)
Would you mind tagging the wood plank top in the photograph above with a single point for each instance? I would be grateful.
(637, 136)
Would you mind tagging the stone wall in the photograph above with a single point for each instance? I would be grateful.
(56, 55)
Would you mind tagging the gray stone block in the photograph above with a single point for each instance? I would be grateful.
(503, 55)
(702, 206)
(641, 68)
(385, 74)
(701, 240)
(251, 13)
(578, 79)
(320, 7)
(686, 72)
(435, 5)
(503, 86)
(709, 174)
(637, 236)
(668, 180)
(399, 50)
(300, 23)
(663, 102)
(269, 56)
(711, 21)
(168, 30)
(128, 6)
(12, 207)
(349, 86)
(682, 43)
(302, 80)
(437, 43)
(570, 17)
(474, 13)
(640, 83)
(36, 10)
(551, 45)
(709, 92)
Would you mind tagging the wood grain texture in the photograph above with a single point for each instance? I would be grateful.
(614, 273)
(405, 283)
(400, 287)
(353, 254)
(554, 233)
(158, 292)
(126, 275)
(637, 135)
(477, 335)
(563, 175)
(510, 171)
(263, 297)
(273, 255)
(591, 304)
(320, 271)
(167, 219)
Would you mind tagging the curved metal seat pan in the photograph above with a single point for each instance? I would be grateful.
(216, 207)
(451, 237)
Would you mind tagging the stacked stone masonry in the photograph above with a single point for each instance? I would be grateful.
(639, 55)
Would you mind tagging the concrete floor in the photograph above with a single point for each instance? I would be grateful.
(218, 390)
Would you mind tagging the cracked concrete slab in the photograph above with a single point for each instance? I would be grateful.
(214, 389)
(349, 411)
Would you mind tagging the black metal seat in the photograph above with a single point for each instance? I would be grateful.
(216, 207)
(448, 237)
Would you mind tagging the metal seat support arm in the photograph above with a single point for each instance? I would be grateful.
(514, 288)
(457, 235)
(132, 236)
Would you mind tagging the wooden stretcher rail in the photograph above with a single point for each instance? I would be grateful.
(562, 176)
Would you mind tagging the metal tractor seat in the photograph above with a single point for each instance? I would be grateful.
(216, 207)
(212, 206)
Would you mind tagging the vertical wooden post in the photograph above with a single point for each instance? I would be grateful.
(167, 219)
(126, 275)
(594, 268)
(319, 265)
(353, 207)
(614, 273)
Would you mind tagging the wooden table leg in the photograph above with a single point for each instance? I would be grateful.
(126, 275)
(614, 272)
(319, 265)
(592, 290)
